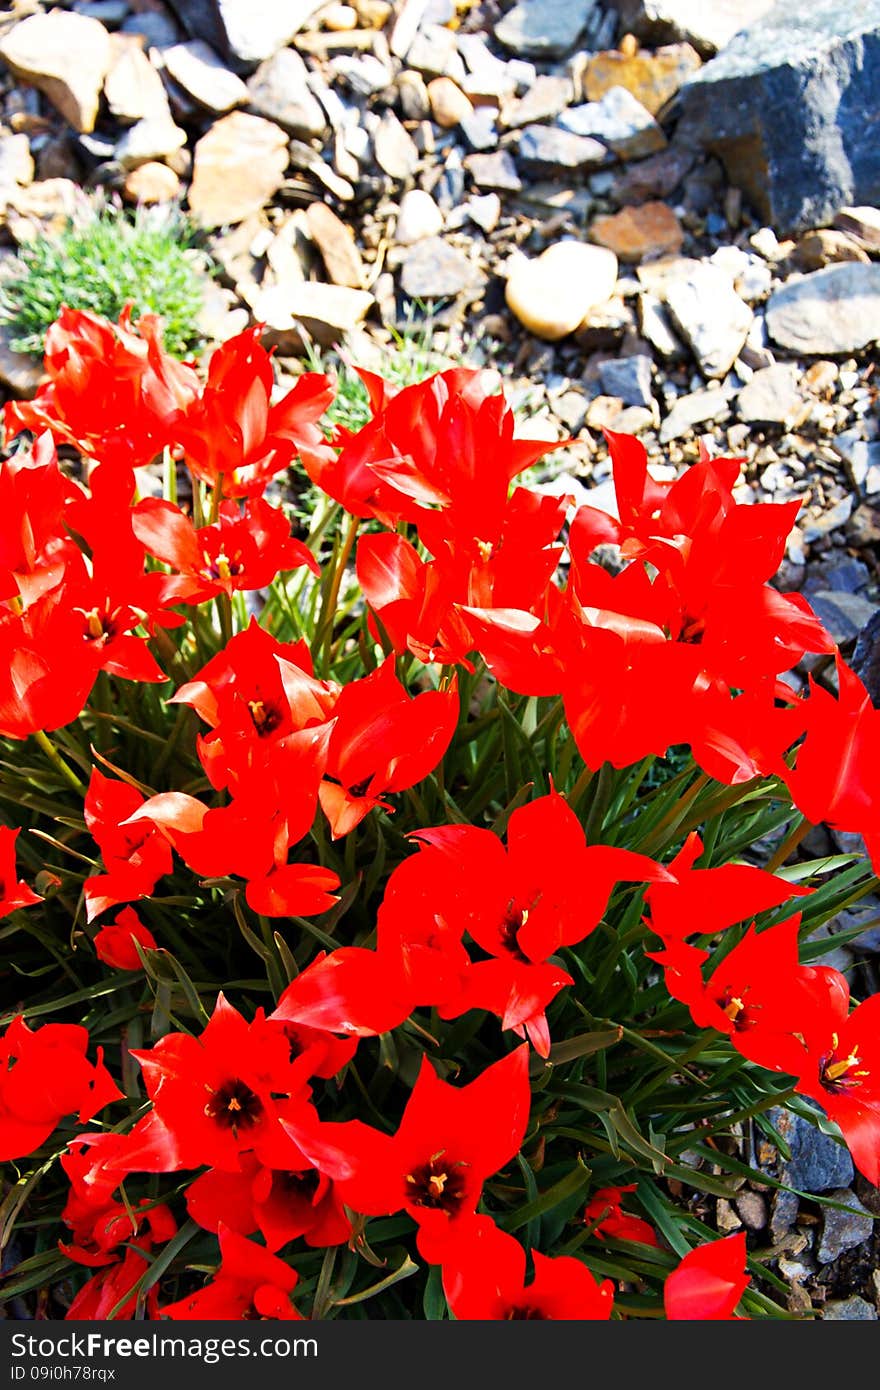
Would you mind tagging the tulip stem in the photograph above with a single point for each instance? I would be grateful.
(799, 831)
(329, 611)
(602, 794)
(224, 612)
(169, 475)
(58, 762)
(216, 499)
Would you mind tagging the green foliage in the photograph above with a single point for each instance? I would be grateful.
(104, 259)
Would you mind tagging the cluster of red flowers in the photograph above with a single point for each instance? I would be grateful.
(690, 639)
(778, 1013)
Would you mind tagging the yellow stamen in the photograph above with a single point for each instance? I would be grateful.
(839, 1069)
(734, 1009)
(94, 624)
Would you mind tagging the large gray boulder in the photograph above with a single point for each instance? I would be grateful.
(790, 107)
(707, 24)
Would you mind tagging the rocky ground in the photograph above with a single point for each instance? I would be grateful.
(611, 201)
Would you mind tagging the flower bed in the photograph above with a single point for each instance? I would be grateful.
(379, 936)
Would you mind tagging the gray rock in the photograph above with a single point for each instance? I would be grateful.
(571, 408)
(835, 310)
(546, 150)
(620, 121)
(818, 1163)
(785, 1207)
(365, 73)
(449, 188)
(823, 523)
(303, 156)
(860, 456)
(479, 128)
(110, 13)
(158, 29)
(435, 270)
(245, 31)
(839, 574)
(751, 1208)
(771, 397)
(711, 316)
(486, 75)
(655, 326)
(543, 28)
(496, 171)
(654, 177)
(697, 408)
(279, 91)
(866, 664)
(434, 53)
(853, 1309)
(844, 615)
(395, 149)
(708, 26)
(414, 101)
(785, 106)
(628, 378)
(841, 1230)
(484, 210)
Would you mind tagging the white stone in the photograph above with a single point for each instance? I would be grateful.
(553, 294)
(419, 217)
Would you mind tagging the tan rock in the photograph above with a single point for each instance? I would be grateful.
(862, 223)
(449, 105)
(19, 373)
(67, 56)
(16, 160)
(133, 88)
(336, 243)
(395, 150)
(326, 312)
(338, 18)
(195, 67)
(375, 14)
(639, 233)
(552, 294)
(603, 412)
(150, 139)
(43, 207)
(239, 164)
(151, 183)
(651, 77)
(825, 247)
